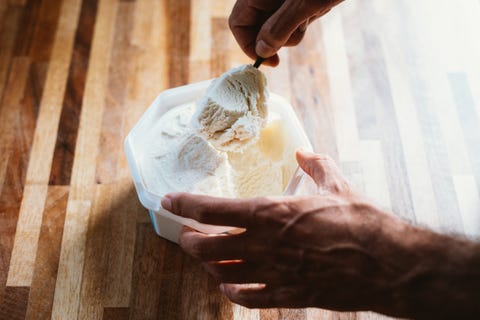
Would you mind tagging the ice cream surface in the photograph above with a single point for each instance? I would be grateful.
(181, 160)
(233, 110)
(227, 145)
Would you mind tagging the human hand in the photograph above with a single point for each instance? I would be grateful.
(262, 27)
(333, 250)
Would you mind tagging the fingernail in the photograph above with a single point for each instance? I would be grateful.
(305, 151)
(167, 203)
(263, 49)
(303, 26)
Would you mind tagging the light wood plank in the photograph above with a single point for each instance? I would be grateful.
(375, 179)
(96, 254)
(469, 202)
(26, 237)
(240, 313)
(121, 237)
(111, 163)
(341, 92)
(221, 8)
(149, 73)
(200, 40)
(70, 268)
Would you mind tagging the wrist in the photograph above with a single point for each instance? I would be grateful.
(441, 276)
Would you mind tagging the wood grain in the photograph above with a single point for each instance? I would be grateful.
(390, 89)
(42, 289)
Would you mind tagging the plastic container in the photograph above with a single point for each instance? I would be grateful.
(166, 224)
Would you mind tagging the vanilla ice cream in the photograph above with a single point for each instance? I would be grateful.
(233, 110)
(181, 160)
(226, 145)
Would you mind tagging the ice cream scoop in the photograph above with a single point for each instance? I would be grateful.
(233, 109)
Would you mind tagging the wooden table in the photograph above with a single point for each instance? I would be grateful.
(390, 89)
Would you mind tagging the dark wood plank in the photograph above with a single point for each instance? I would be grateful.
(149, 260)
(43, 33)
(72, 102)
(10, 26)
(13, 305)
(116, 313)
(171, 282)
(44, 278)
(27, 28)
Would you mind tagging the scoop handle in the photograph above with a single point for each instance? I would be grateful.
(258, 62)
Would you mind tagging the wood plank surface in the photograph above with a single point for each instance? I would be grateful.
(390, 89)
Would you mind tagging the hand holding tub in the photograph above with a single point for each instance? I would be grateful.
(332, 250)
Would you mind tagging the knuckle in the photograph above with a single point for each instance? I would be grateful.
(182, 241)
(178, 203)
(198, 251)
(324, 158)
(232, 21)
(195, 248)
(201, 210)
(215, 271)
(295, 38)
(200, 214)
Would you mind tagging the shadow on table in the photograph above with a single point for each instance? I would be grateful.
(130, 272)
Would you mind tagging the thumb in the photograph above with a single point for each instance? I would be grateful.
(278, 29)
(323, 171)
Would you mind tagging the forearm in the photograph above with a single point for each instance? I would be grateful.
(443, 278)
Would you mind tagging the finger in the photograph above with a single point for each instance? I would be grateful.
(210, 210)
(239, 272)
(323, 171)
(245, 22)
(265, 296)
(298, 35)
(212, 248)
(248, 272)
(276, 31)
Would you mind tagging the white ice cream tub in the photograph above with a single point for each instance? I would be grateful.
(166, 224)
